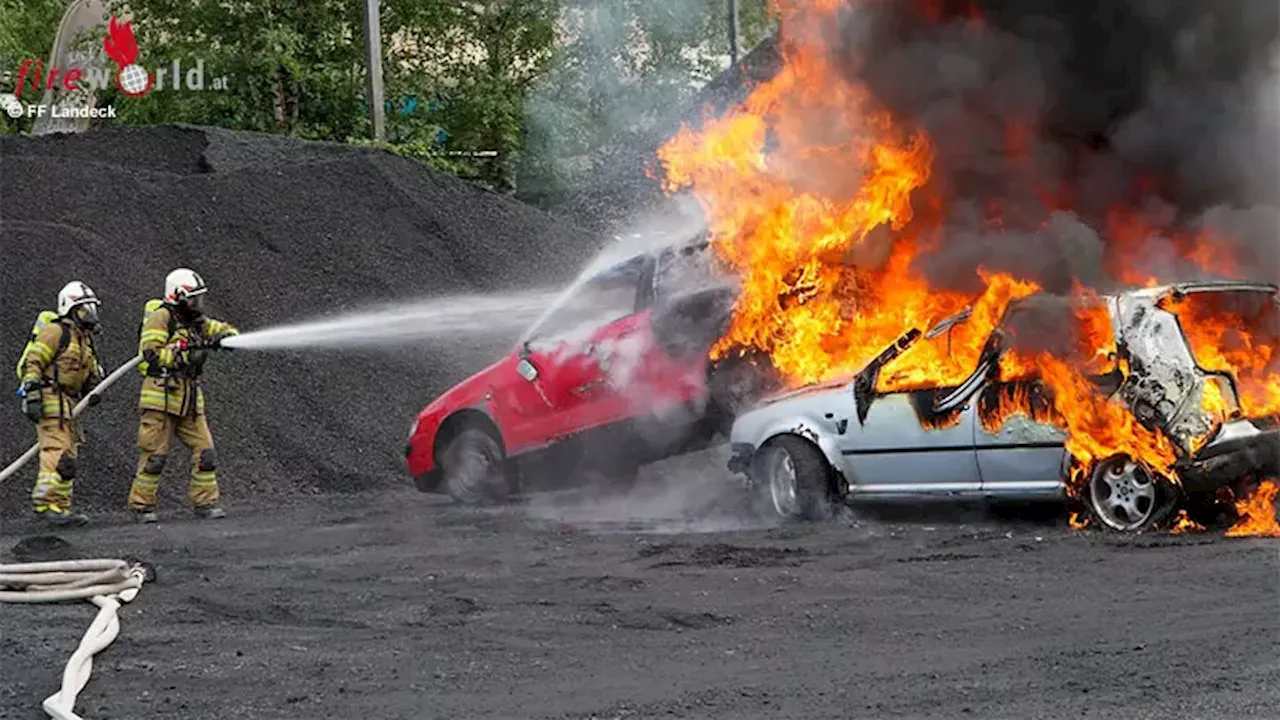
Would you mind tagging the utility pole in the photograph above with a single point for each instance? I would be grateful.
(374, 90)
(733, 31)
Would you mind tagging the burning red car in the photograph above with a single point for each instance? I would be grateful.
(613, 376)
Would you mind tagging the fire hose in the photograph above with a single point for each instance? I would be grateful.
(110, 380)
(120, 372)
(105, 583)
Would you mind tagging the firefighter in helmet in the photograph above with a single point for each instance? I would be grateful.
(60, 367)
(173, 345)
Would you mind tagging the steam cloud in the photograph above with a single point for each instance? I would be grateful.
(1168, 108)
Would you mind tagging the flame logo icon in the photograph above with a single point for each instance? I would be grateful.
(132, 79)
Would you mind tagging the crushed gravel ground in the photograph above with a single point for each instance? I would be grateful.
(282, 230)
(401, 606)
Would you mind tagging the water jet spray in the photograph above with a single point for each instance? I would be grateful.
(406, 324)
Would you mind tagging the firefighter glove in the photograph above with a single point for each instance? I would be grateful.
(216, 343)
(32, 405)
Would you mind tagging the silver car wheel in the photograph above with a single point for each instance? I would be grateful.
(782, 483)
(1123, 494)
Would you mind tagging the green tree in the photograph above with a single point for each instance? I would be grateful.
(293, 66)
(470, 65)
(456, 72)
(27, 30)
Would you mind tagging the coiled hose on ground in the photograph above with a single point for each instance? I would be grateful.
(105, 583)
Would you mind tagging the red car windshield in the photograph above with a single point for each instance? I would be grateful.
(598, 301)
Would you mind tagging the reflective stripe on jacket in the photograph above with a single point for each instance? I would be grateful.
(71, 376)
(176, 390)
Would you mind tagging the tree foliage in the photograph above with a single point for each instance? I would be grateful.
(455, 72)
(27, 30)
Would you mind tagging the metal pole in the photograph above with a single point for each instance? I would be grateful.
(374, 92)
(733, 31)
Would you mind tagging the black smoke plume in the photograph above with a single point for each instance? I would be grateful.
(1051, 114)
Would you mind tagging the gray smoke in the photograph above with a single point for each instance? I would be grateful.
(620, 69)
(1165, 107)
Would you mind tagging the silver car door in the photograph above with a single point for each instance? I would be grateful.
(899, 450)
(1017, 456)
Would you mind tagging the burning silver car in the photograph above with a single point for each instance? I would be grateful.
(805, 450)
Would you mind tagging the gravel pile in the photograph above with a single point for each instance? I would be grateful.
(623, 193)
(283, 231)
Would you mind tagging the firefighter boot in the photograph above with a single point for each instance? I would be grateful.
(59, 518)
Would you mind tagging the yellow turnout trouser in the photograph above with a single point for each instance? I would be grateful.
(156, 431)
(59, 463)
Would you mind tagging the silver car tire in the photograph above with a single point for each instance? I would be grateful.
(1123, 495)
(792, 480)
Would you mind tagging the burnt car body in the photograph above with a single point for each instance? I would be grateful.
(804, 451)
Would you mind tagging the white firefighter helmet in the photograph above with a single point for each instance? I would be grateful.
(182, 284)
(73, 295)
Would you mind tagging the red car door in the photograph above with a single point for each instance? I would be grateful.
(639, 377)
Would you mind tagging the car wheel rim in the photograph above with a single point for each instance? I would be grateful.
(1123, 494)
(782, 484)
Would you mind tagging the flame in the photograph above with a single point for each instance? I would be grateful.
(936, 10)
(1238, 336)
(1077, 521)
(803, 238)
(1258, 513)
(120, 43)
(1016, 399)
(821, 202)
(1183, 524)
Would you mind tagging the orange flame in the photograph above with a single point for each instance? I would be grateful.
(1133, 236)
(820, 201)
(1183, 524)
(120, 43)
(1258, 513)
(1238, 337)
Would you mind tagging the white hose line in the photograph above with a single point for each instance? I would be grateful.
(105, 583)
(75, 413)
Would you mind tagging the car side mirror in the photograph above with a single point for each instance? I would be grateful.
(527, 370)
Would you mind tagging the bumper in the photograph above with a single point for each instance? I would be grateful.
(1223, 463)
(421, 466)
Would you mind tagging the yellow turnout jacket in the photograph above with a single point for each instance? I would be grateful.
(172, 383)
(70, 376)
